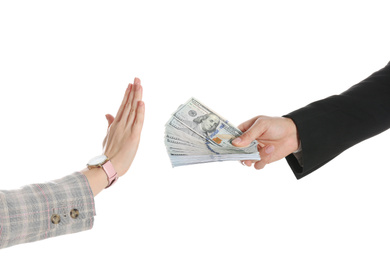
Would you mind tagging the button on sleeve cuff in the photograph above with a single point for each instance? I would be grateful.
(41, 211)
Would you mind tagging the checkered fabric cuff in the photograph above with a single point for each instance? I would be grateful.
(39, 211)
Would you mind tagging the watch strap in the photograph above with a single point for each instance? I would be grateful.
(112, 175)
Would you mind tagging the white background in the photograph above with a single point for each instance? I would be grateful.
(65, 64)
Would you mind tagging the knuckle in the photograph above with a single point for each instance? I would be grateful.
(134, 137)
(121, 126)
(139, 121)
(259, 121)
(262, 120)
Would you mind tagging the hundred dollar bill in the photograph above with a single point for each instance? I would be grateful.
(203, 122)
(177, 129)
(195, 134)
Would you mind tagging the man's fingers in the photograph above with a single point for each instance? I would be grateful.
(246, 163)
(266, 157)
(260, 164)
(253, 132)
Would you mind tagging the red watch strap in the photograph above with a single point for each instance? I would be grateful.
(111, 173)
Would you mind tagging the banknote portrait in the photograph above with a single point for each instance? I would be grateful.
(203, 125)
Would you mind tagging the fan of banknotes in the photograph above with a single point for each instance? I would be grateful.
(196, 134)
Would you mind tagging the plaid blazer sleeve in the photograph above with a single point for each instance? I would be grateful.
(39, 211)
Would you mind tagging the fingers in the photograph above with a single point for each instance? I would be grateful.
(247, 163)
(260, 145)
(254, 131)
(265, 155)
(139, 119)
(260, 164)
(124, 101)
(135, 95)
(135, 102)
(127, 107)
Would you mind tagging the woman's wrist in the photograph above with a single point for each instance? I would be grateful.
(119, 167)
(97, 179)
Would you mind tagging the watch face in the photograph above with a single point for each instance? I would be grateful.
(97, 160)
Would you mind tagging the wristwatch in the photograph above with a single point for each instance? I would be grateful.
(102, 161)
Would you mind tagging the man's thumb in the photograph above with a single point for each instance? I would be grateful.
(255, 131)
(241, 141)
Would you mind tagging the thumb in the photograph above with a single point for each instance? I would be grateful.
(110, 119)
(255, 131)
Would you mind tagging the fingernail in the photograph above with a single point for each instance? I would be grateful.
(237, 140)
(269, 149)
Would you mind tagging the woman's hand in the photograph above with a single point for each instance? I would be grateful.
(124, 131)
(277, 137)
(123, 135)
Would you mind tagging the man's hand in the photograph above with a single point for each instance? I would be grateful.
(277, 137)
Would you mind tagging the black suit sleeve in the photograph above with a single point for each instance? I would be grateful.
(330, 126)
